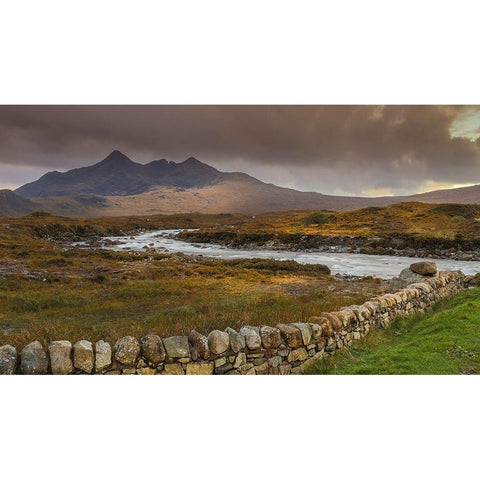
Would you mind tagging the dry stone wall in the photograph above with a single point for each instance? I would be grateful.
(284, 349)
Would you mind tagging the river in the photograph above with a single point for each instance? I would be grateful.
(382, 266)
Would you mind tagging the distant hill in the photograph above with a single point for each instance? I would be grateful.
(13, 205)
(452, 195)
(118, 186)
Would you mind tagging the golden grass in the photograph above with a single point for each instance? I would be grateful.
(49, 291)
(413, 218)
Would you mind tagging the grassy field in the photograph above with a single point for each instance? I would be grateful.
(49, 290)
(446, 341)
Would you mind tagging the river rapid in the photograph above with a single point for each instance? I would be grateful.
(381, 266)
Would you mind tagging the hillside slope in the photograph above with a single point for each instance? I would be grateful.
(14, 205)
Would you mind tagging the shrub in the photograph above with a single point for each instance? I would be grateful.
(317, 218)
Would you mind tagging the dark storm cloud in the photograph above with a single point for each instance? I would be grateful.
(331, 149)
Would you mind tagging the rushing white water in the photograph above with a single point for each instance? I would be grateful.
(382, 266)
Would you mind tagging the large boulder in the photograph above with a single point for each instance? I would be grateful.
(83, 358)
(127, 350)
(152, 349)
(218, 342)
(427, 269)
(103, 355)
(406, 277)
(34, 359)
(8, 360)
(60, 352)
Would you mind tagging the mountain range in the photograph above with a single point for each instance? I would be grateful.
(118, 186)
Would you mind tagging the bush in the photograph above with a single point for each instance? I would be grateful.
(317, 218)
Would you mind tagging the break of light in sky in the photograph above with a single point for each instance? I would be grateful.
(467, 124)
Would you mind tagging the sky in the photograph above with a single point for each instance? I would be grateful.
(347, 150)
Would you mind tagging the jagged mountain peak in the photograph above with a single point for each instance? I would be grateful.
(116, 158)
(192, 161)
(117, 174)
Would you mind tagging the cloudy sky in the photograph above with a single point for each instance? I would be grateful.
(353, 150)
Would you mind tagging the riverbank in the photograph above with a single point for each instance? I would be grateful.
(346, 265)
(400, 246)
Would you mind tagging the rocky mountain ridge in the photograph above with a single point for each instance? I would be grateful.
(118, 186)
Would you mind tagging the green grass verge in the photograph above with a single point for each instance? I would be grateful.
(446, 341)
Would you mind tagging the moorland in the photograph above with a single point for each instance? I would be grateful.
(50, 289)
(409, 229)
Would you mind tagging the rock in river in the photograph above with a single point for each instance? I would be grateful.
(424, 268)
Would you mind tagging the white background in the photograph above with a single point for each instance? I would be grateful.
(245, 52)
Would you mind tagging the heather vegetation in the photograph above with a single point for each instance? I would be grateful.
(416, 219)
(50, 290)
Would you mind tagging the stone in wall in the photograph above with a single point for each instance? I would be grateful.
(83, 358)
(334, 321)
(324, 324)
(252, 337)
(218, 342)
(34, 359)
(306, 332)
(297, 355)
(291, 334)
(8, 360)
(153, 350)
(103, 356)
(316, 331)
(177, 347)
(200, 368)
(240, 360)
(60, 352)
(199, 344)
(173, 369)
(237, 341)
(271, 337)
(127, 350)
